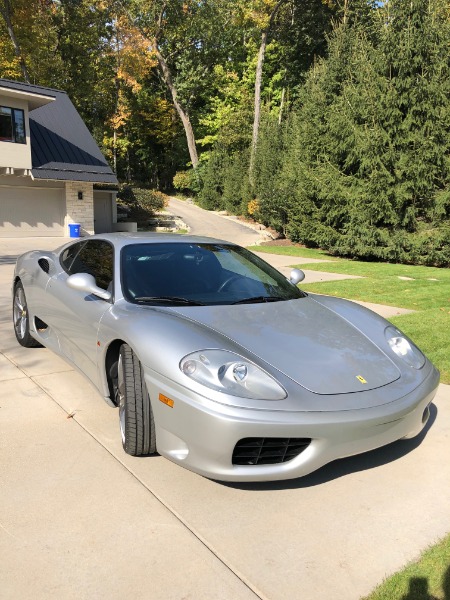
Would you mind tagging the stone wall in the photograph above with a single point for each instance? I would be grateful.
(80, 211)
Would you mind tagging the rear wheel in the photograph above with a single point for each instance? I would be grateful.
(137, 425)
(21, 318)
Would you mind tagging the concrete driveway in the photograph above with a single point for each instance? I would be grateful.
(81, 519)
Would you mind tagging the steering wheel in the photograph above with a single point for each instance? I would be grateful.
(227, 282)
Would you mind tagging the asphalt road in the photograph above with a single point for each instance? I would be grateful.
(204, 222)
(80, 519)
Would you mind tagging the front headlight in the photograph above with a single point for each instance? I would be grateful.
(227, 372)
(403, 348)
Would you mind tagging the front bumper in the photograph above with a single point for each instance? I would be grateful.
(200, 434)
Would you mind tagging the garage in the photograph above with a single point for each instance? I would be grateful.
(47, 177)
(26, 212)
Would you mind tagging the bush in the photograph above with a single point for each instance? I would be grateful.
(126, 194)
(147, 200)
(210, 196)
(142, 203)
(150, 200)
(182, 180)
(236, 193)
(253, 207)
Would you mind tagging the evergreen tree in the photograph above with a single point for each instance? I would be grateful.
(368, 164)
(271, 206)
(415, 106)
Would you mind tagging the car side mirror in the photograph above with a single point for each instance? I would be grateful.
(296, 276)
(84, 282)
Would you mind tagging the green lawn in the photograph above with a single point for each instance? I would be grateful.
(426, 579)
(425, 288)
(427, 291)
(294, 251)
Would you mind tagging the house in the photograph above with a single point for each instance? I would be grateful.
(50, 166)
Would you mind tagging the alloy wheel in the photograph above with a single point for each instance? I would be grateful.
(20, 313)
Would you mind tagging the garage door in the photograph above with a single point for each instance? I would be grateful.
(31, 212)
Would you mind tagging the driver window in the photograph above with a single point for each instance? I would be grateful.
(69, 255)
(96, 258)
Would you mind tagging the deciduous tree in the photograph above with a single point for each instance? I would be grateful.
(6, 11)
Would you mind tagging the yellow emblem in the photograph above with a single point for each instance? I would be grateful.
(361, 379)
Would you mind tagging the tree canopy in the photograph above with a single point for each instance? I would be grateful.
(327, 121)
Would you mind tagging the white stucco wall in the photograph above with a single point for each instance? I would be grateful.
(12, 155)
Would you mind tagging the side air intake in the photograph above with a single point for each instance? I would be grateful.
(268, 451)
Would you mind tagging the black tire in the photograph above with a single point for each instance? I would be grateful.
(137, 425)
(21, 320)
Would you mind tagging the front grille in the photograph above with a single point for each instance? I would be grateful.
(268, 451)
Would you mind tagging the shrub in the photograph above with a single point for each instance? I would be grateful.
(150, 200)
(126, 194)
(182, 180)
(210, 196)
(142, 202)
(253, 207)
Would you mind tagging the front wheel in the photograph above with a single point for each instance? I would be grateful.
(21, 318)
(137, 425)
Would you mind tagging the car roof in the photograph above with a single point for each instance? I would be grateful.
(144, 237)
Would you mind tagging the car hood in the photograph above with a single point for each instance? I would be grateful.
(303, 339)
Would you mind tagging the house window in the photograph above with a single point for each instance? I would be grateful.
(12, 125)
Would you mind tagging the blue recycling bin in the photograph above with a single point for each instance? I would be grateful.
(74, 230)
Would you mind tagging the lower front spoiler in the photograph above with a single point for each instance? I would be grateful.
(201, 435)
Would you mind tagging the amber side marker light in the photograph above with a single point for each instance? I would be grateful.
(166, 400)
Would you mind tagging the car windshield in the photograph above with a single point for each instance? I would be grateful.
(195, 274)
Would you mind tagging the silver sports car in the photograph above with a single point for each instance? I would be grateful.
(217, 361)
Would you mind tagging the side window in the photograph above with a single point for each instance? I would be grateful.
(69, 255)
(12, 125)
(97, 258)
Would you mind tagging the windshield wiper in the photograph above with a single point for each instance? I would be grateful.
(168, 300)
(256, 299)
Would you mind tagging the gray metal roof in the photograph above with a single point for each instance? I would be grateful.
(62, 147)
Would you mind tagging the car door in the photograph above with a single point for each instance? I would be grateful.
(75, 314)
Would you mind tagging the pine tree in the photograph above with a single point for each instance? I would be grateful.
(368, 165)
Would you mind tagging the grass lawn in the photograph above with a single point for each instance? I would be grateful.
(427, 291)
(426, 579)
(294, 251)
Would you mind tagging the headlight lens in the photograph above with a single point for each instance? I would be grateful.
(404, 349)
(227, 372)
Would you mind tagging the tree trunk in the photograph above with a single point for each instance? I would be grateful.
(280, 116)
(117, 86)
(5, 11)
(257, 110)
(115, 151)
(258, 79)
(167, 76)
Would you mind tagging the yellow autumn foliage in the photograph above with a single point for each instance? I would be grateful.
(253, 207)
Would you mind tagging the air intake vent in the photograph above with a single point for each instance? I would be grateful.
(268, 451)
(44, 264)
